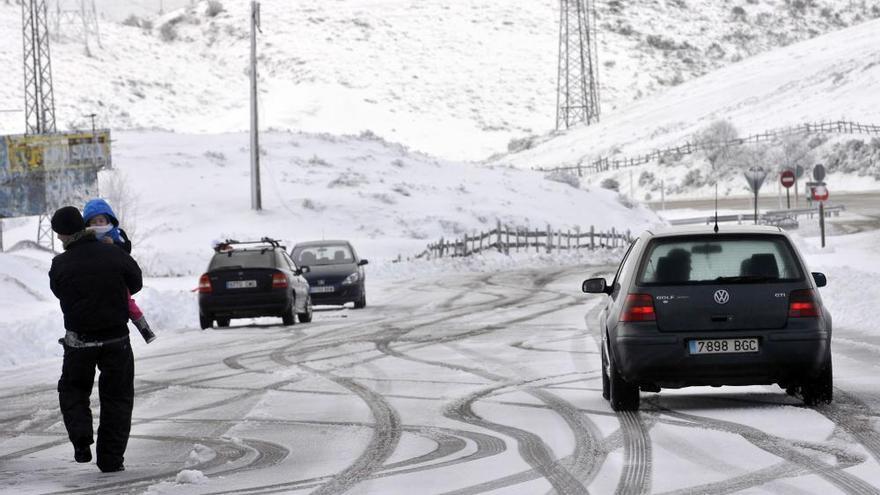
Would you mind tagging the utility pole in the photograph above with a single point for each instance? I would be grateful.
(94, 142)
(256, 199)
(577, 92)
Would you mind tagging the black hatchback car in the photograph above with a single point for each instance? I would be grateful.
(251, 279)
(692, 307)
(336, 274)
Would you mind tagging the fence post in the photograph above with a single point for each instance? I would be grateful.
(516, 236)
(592, 238)
(442, 245)
(568, 241)
(549, 239)
(613, 238)
(577, 231)
(498, 231)
(482, 236)
(506, 240)
(537, 238)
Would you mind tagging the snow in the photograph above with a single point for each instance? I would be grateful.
(456, 79)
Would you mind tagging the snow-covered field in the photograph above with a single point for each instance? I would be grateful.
(457, 79)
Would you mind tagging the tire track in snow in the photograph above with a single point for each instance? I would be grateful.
(791, 451)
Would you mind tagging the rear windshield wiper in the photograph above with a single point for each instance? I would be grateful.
(746, 278)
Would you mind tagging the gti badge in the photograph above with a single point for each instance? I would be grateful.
(722, 296)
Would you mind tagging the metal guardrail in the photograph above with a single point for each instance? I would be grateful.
(766, 217)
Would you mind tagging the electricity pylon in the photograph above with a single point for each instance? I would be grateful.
(577, 94)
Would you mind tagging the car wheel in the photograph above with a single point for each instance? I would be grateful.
(223, 322)
(606, 386)
(622, 395)
(361, 303)
(205, 322)
(287, 318)
(820, 390)
(307, 316)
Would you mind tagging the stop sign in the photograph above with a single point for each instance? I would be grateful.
(787, 178)
(820, 193)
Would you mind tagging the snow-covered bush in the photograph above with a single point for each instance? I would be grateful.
(214, 8)
(516, 145)
(610, 183)
(564, 178)
(168, 32)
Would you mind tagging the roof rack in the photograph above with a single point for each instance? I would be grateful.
(228, 244)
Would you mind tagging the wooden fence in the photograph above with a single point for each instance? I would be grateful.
(504, 239)
(605, 164)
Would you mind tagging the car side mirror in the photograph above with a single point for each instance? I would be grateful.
(595, 286)
(821, 280)
(363, 262)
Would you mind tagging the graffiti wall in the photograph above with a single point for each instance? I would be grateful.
(39, 173)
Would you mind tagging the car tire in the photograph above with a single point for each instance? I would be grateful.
(820, 390)
(223, 322)
(622, 395)
(205, 322)
(288, 317)
(307, 316)
(361, 303)
(606, 385)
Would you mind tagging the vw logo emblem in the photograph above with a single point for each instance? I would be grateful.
(722, 296)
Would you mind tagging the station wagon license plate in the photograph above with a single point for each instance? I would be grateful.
(321, 290)
(723, 346)
(241, 284)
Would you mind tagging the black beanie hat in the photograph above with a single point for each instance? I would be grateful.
(67, 221)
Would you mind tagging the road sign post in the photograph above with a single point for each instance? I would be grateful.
(787, 179)
(820, 194)
(755, 177)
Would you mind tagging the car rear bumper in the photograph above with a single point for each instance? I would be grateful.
(664, 360)
(273, 303)
(343, 294)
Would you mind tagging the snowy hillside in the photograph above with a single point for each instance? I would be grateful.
(455, 79)
(180, 192)
(832, 77)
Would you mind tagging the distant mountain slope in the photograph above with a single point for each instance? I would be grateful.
(455, 79)
(832, 77)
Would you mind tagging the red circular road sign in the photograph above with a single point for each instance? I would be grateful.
(787, 178)
(820, 193)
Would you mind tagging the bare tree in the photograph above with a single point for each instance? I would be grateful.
(720, 141)
(115, 188)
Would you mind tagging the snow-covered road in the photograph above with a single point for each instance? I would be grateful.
(458, 384)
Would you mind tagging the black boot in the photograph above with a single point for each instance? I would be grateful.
(112, 469)
(83, 453)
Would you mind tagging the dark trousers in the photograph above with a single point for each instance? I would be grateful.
(115, 391)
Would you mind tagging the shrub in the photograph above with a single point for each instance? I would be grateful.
(214, 8)
(132, 21)
(610, 184)
(564, 178)
(168, 32)
(738, 12)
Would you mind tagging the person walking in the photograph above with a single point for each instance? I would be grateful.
(92, 281)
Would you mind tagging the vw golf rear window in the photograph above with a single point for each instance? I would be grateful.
(243, 259)
(719, 259)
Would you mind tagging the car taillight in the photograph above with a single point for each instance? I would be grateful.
(279, 281)
(638, 307)
(802, 304)
(205, 284)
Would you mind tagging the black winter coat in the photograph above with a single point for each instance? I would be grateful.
(92, 280)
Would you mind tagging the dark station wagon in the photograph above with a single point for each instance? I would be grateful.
(689, 307)
(252, 279)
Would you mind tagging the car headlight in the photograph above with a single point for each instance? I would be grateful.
(351, 279)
